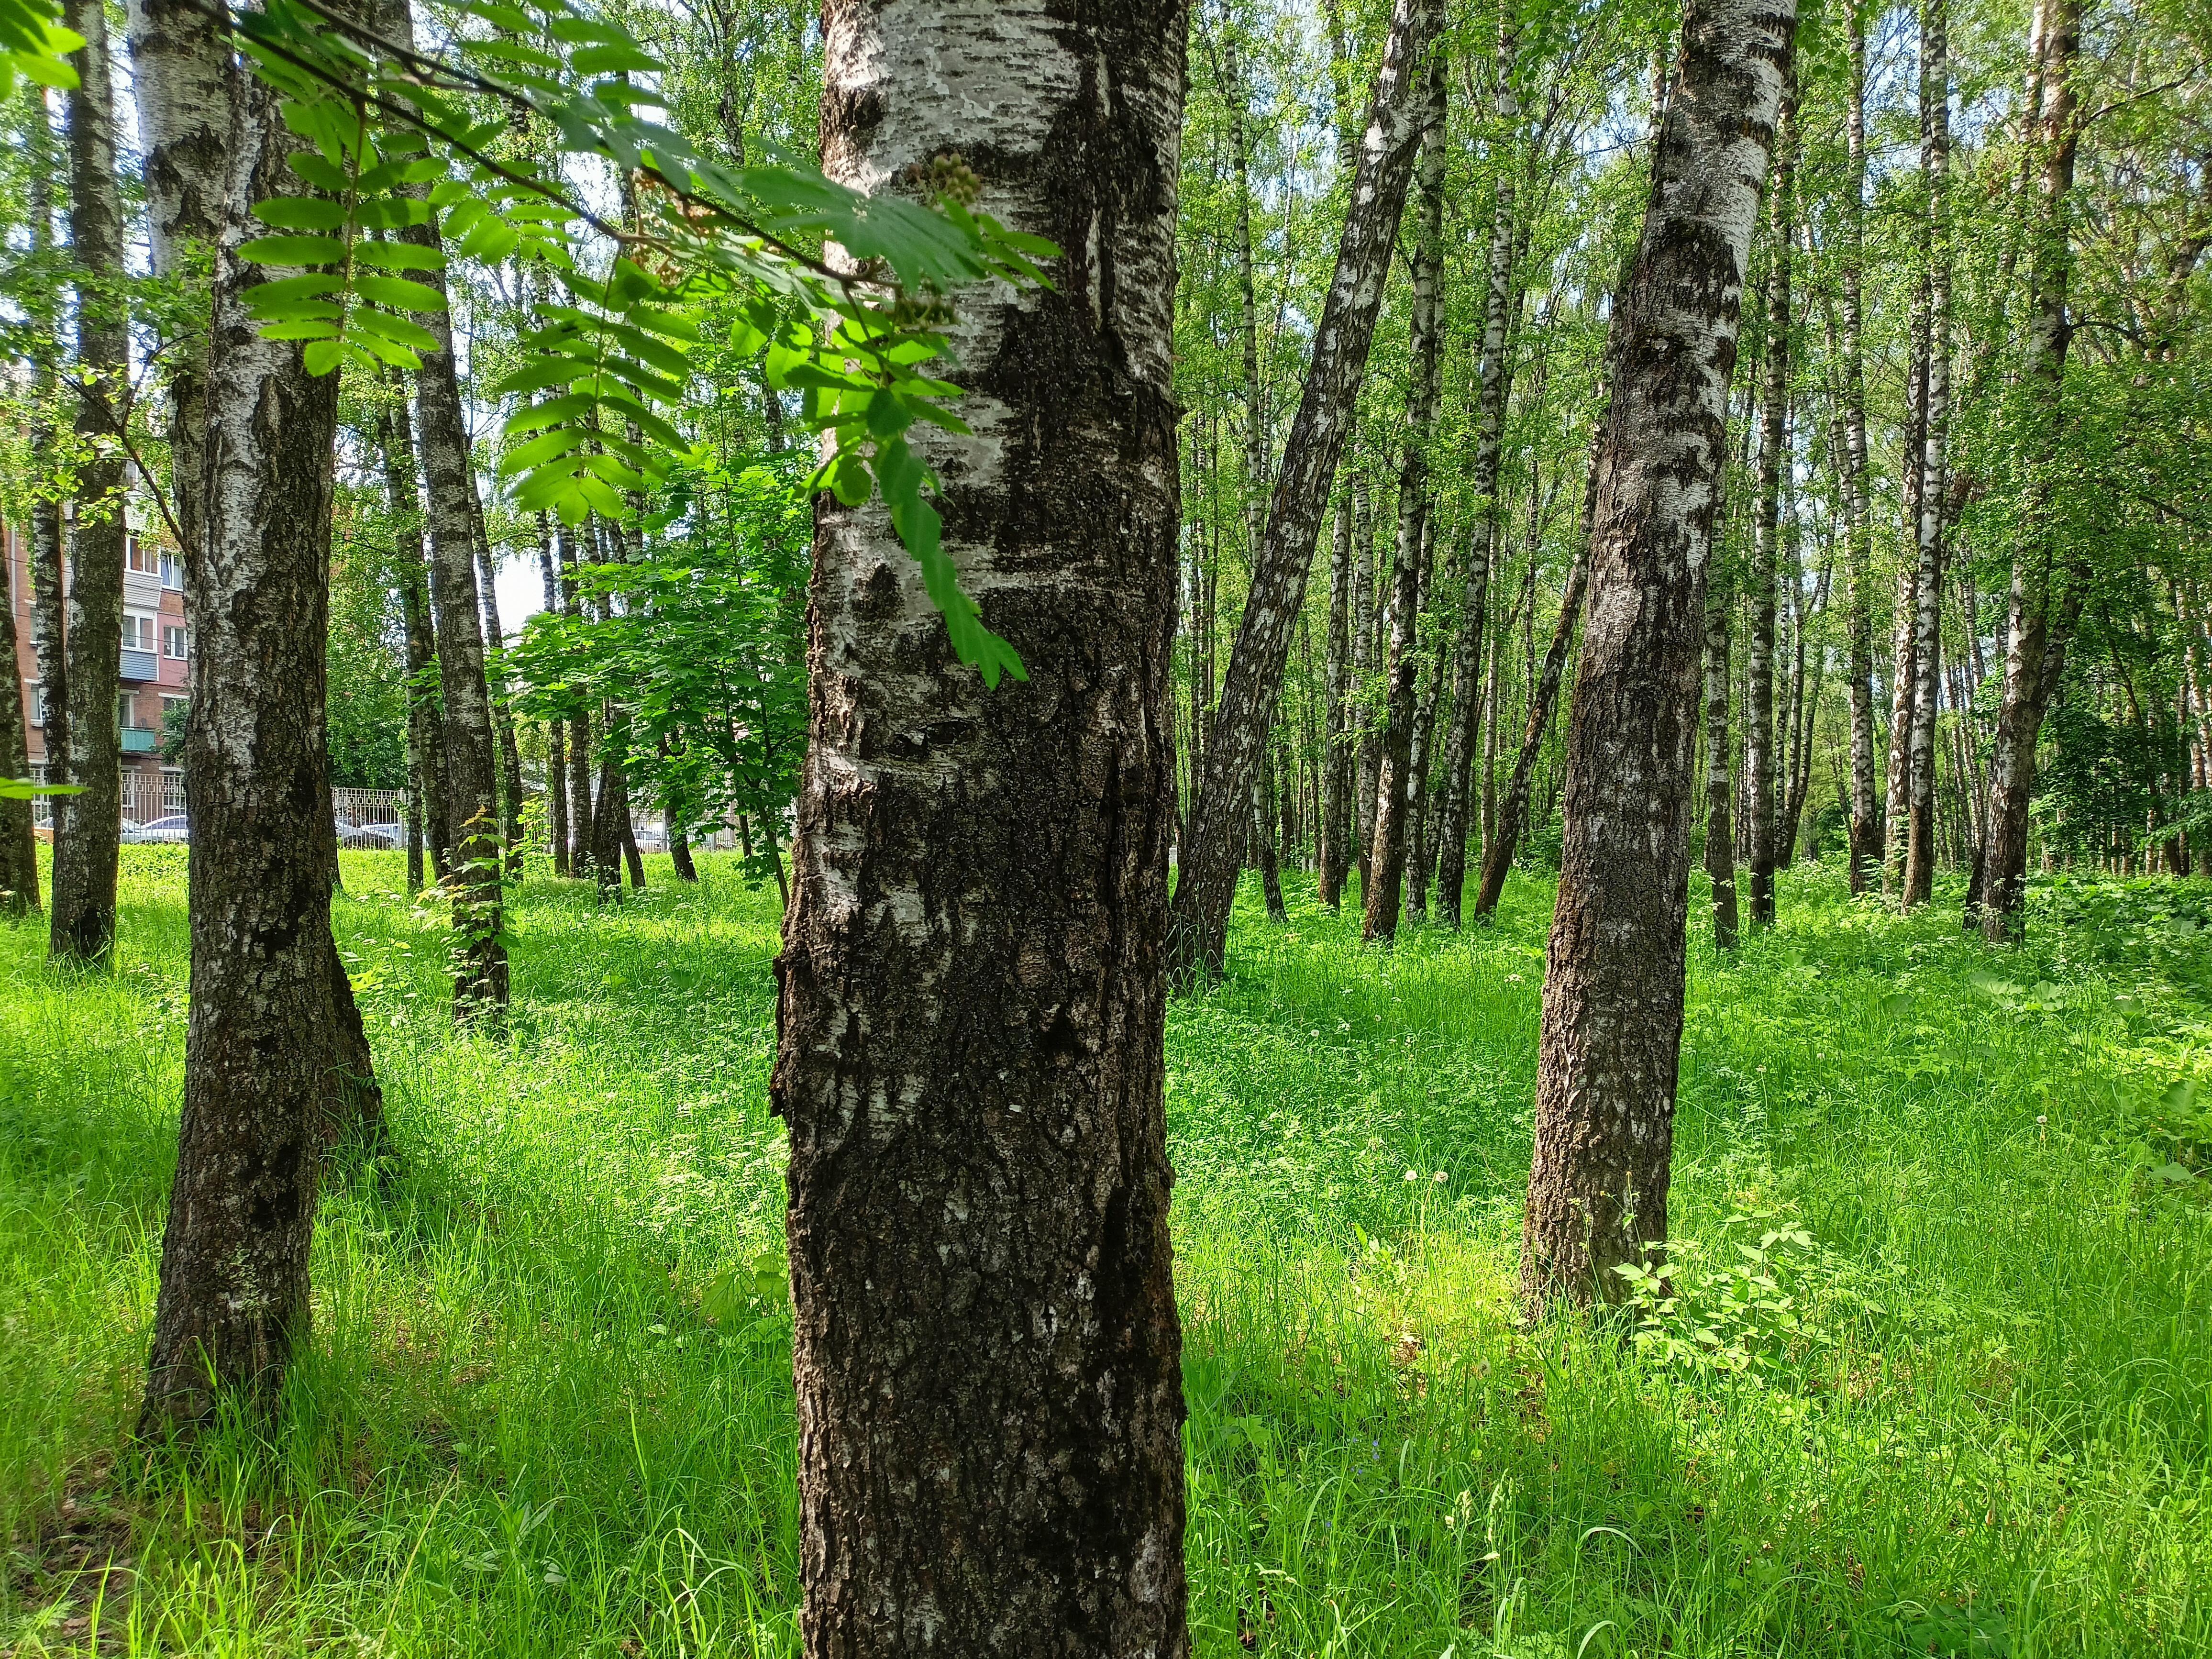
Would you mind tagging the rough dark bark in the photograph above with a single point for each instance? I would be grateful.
(985, 1343)
(1759, 749)
(263, 1050)
(1395, 796)
(1934, 491)
(2036, 641)
(1613, 991)
(1199, 930)
(1513, 805)
(88, 826)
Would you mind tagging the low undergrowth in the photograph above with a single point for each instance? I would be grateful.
(1932, 1372)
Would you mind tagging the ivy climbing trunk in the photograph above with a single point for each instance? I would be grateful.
(1394, 798)
(269, 1058)
(972, 1009)
(88, 827)
(1198, 928)
(1612, 986)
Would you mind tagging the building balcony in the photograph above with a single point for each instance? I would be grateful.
(140, 666)
(140, 740)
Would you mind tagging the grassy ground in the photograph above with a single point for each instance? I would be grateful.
(1959, 1400)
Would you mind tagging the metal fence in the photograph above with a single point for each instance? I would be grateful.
(149, 795)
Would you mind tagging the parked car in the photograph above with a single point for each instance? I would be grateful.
(371, 837)
(173, 830)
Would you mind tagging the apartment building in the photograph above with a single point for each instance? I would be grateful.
(156, 663)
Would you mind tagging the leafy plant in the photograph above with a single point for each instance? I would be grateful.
(1734, 1308)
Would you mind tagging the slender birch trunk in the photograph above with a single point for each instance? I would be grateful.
(1858, 560)
(88, 826)
(1394, 800)
(1934, 482)
(1198, 929)
(1720, 793)
(1486, 542)
(403, 496)
(557, 745)
(2036, 640)
(48, 605)
(1613, 993)
(1760, 777)
(987, 1165)
(1336, 761)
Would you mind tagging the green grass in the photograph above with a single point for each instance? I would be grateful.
(1982, 1425)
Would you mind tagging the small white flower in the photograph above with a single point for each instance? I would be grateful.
(1411, 1175)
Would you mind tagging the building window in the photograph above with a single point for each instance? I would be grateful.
(176, 643)
(126, 716)
(137, 557)
(36, 698)
(138, 631)
(172, 572)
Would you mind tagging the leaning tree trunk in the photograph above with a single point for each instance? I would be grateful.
(265, 1040)
(88, 826)
(2034, 649)
(1486, 542)
(972, 1010)
(1759, 745)
(1865, 829)
(1394, 799)
(1927, 633)
(1612, 987)
(1199, 932)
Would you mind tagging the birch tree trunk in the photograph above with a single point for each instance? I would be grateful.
(1720, 793)
(2035, 649)
(19, 842)
(402, 493)
(1394, 798)
(972, 1010)
(1858, 560)
(1759, 747)
(556, 747)
(48, 626)
(1513, 805)
(1494, 382)
(1928, 528)
(1904, 637)
(1336, 748)
(263, 1045)
(1365, 757)
(88, 827)
(502, 718)
(1613, 991)
(580, 838)
(1199, 922)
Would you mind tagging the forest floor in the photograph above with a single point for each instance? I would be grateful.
(1958, 1401)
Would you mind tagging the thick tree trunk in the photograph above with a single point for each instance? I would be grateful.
(972, 1012)
(265, 1041)
(1613, 991)
(88, 826)
(1486, 542)
(1934, 491)
(1760, 748)
(2035, 649)
(1858, 562)
(471, 772)
(1393, 797)
(1513, 805)
(1336, 761)
(1199, 931)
